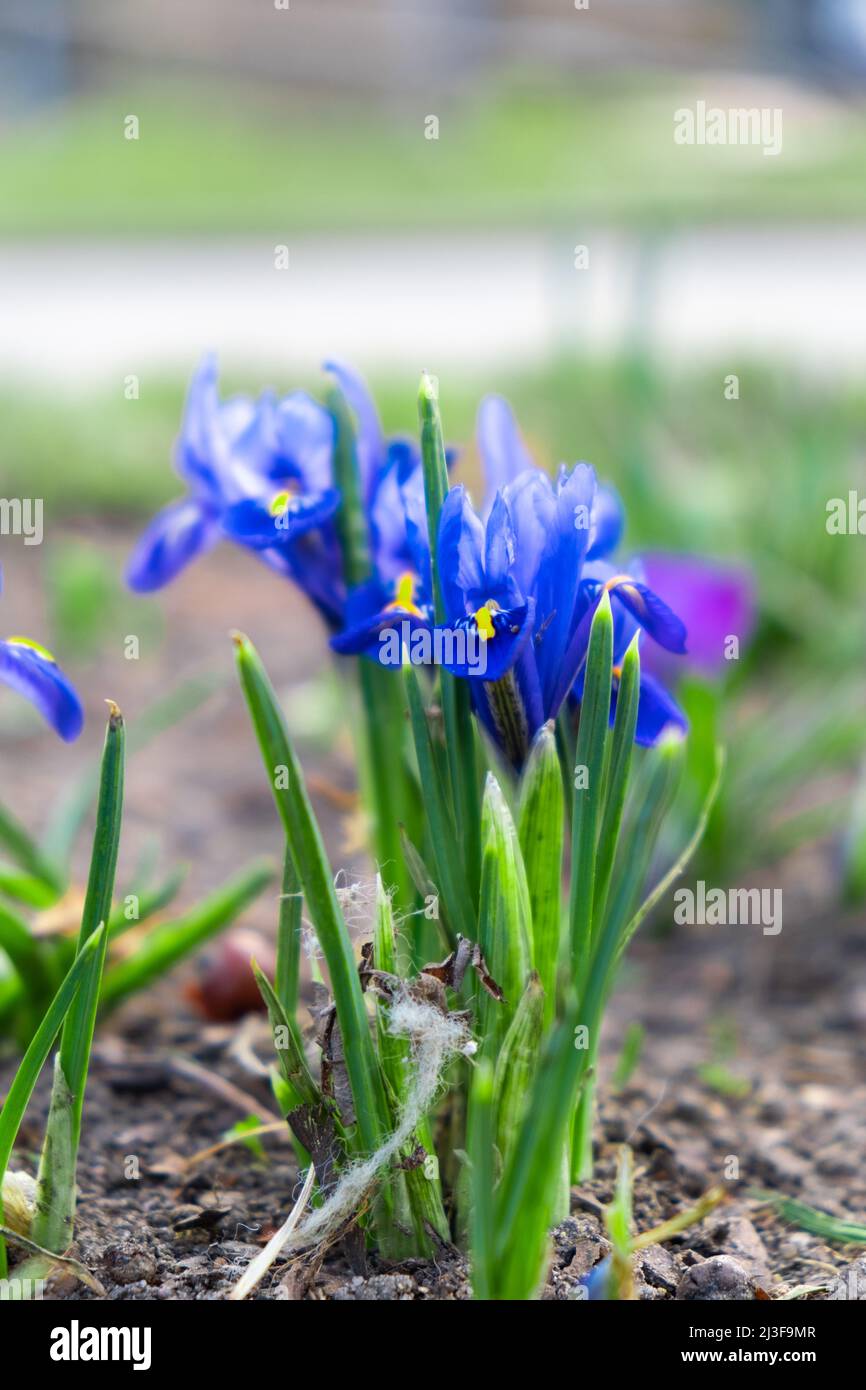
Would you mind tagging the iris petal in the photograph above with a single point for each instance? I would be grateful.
(657, 710)
(607, 523)
(460, 548)
(503, 453)
(558, 579)
(255, 524)
(305, 439)
(41, 681)
(177, 534)
(653, 615)
(488, 660)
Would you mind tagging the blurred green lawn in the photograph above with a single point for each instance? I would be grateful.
(222, 159)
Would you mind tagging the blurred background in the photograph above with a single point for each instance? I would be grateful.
(491, 191)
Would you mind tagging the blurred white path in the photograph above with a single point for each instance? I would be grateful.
(76, 314)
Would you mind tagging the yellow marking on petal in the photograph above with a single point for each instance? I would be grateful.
(405, 595)
(280, 503)
(35, 646)
(484, 623)
(625, 581)
(617, 672)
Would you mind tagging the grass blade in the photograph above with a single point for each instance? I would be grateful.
(516, 1066)
(26, 852)
(56, 1203)
(482, 1229)
(423, 1190)
(314, 873)
(288, 964)
(588, 775)
(456, 702)
(621, 748)
(77, 1036)
(541, 822)
(447, 857)
(505, 916)
(19, 1093)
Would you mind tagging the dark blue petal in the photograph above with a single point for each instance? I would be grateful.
(381, 635)
(39, 679)
(657, 710)
(304, 436)
(608, 519)
(209, 432)
(314, 562)
(500, 547)
(490, 659)
(177, 534)
(394, 483)
(558, 580)
(503, 453)
(417, 535)
(460, 551)
(647, 608)
(252, 522)
(532, 503)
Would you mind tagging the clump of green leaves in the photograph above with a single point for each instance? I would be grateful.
(515, 1125)
(39, 904)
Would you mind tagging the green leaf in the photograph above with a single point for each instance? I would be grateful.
(423, 1190)
(516, 1065)
(171, 942)
(505, 915)
(629, 1055)
(26, 954)
(53, 1222)
(386, 780)
(819, 1223)
(149, 902)
(426, 887)
(616, 782)
(588, 776)
(26, 888)
(288, 965)
(456, 704)
(482, 1230)
(351, 523)
(680, 863)
(288, 1045)
(528, 1193)
(26, 852)
(55, 1201)
(541, 827)
(77, 1038)
(447, 856)
(34, 1059)
(314, 873)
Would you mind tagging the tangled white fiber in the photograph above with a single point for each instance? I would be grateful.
(436, 1037)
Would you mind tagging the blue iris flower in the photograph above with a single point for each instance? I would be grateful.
(259, 473)
(33, 672)
(520, 583)
(527, 583)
